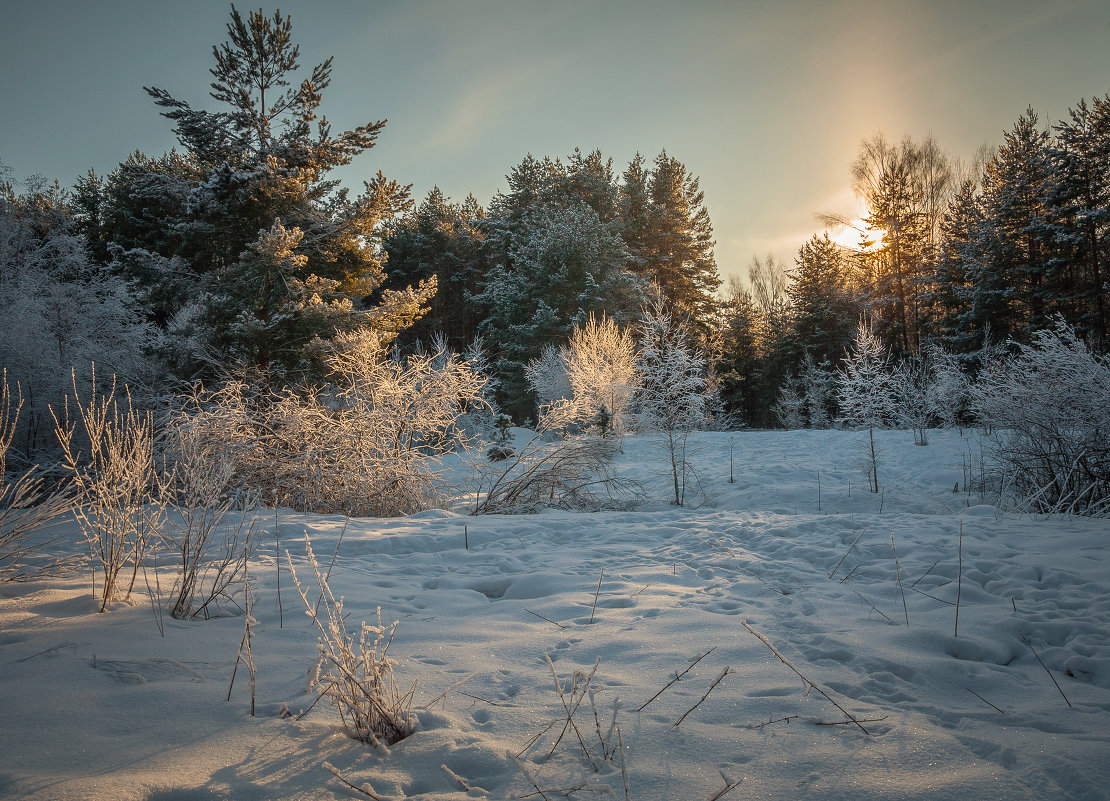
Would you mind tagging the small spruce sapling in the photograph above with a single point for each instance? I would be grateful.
(865, 392)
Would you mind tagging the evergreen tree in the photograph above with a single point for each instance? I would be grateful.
(739, 360)
(253, 180)
(1082, 195)
(564, 263)
(822, 309)
(443, 240)
(676, 251)
(1018, 276)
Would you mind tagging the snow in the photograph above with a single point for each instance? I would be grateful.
(100, 706)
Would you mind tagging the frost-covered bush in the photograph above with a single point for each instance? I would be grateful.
(367, 446)
(865, 390)
(593, 377)
(570, 473)
(673, 399)
(356, 676)
(1048, 410)
(950, 386)
(210, 542)
(61, 312)
(108, 451)
(790, 406)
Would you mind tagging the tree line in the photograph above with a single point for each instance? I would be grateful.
(240, 252)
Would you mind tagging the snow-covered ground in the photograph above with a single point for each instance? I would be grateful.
(100, 706)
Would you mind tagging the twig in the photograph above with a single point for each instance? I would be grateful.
(929, 595)
(898, 577)
(467, 787)
(65, 644)
(624, 765)
(845, 556)
(930, 570)
(334, 554)
(527, 774)
(1046, 670)
(959, 580)
(549, 620)
(596, 593)
(856, 721)
(577, 695)
(877, 609)
(532, 742)
(676, 678)
(808, 683)
(365, 789)
(443, 695)
(641, 589)
(277, 556)
(483, 700)
(985, 701)
(728, 789)
(466, 538)
(712, 686)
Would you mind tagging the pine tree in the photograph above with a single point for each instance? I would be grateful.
(1082, 195)
(444, 240)
(258, 166)
(1018, 276)
(821, 306)
(677, 249)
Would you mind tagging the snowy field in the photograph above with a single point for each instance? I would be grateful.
(101, 706)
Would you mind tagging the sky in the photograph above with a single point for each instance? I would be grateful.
(767, 102)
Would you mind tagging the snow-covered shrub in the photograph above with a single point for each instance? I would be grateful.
(950, 386)
(672, 398)
(61, 312)
(865, 390)
(111, 463)
(26, 505)
(1048, 409)
(591, 378)
(211, 544)
(570, 473)
(915, 400)
(356, 676)
(368, 446)
(790, 406)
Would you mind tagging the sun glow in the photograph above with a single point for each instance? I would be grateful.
(858, 235)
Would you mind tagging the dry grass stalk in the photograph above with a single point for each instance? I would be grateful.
(851, 719)
(1025, 640)
(676, 678)
(712, 687)
(597, 592)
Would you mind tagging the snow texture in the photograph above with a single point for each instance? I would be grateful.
(498, 613)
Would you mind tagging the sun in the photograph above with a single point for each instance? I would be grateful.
(859, 236)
